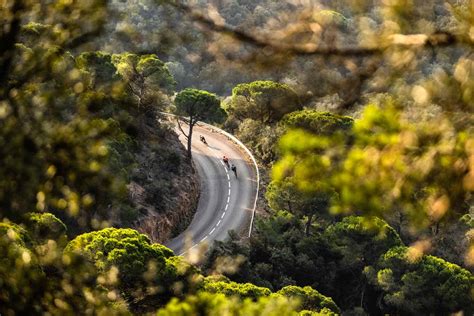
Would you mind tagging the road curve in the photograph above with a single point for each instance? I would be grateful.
(226, 202)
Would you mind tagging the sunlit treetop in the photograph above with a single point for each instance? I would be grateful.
(264, 101)
(247, 290)
(119, 246)
(198, 105)
(144, 72)
(310, 299)
(321, 123)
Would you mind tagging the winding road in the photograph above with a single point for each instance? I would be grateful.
(226, 202)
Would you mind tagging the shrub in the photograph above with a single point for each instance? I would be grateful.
(310, 298)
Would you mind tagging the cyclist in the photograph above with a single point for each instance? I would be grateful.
(234, 169)
(226, 161)
(203, 139)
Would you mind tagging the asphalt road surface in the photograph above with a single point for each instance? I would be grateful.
(226, 201)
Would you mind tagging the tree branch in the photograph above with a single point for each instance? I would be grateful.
(84, 38)
(180, 128)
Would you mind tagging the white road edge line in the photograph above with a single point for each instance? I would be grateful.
(223, 214)
(212, 231)
(218, 223)
(194, 246)
(205, 237)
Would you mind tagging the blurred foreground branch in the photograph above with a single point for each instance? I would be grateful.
(438, 38)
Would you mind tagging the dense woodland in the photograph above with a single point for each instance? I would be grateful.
(360, 114)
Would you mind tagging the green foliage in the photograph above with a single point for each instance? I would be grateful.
(228, 288)
(53, 153)
(53, 156)
(15, 232)
(388, 164)
(264, 101)
(127, 250)
(422, 285)
(60, 152)
(40, 280)
(34, 33)
(323, 312)
(218, 304)
(154, 70)
(317, 122)
(145, 76)
(34, 28)
(45, 226)
(280, 254)
(285, 195)
(361, 241)
(146, 274)
(99, 65)
(19, 270)
(261, 139)
(357, 242)
(198, 105)
(310, 298)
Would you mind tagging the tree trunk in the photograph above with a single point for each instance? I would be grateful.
(435, 229)
(308, 224)
(190, 135)
(400, 221)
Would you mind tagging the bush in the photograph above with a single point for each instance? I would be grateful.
(140, 263)
(317, 122)
(310, 298)
(229, 288)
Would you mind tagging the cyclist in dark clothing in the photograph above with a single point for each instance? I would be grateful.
(234, 169)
